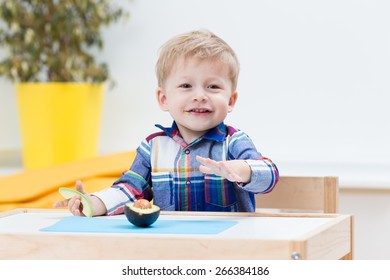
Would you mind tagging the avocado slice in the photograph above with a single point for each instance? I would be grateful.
(87, 206)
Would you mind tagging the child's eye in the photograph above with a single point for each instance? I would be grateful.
(185, 86)
(214, 87)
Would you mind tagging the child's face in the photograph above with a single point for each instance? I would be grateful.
(198, 95)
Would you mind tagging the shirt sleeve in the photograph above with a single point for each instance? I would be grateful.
(265, 174)
(134, 183)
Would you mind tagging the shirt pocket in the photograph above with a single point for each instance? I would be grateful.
(163, 191)
(219, 194)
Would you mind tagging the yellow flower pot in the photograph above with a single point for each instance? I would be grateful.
(60, 122)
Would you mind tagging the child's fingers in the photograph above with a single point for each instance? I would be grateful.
(80, 187)
(75, 206)
(211, 164)
(205, 169)
(60, 204)
(219, 168)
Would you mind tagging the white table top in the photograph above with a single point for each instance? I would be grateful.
(275, 228)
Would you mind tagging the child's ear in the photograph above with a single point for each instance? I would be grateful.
(161, 99)
(232, 101)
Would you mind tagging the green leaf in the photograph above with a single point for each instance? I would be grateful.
(51, 40)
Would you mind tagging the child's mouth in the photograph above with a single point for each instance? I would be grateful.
(200, 111)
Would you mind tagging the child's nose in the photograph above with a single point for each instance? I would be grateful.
(200, 95)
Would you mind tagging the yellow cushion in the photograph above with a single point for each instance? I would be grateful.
(38, 188)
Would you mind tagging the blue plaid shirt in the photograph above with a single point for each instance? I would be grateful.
(165, 170)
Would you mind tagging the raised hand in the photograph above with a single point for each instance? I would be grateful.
(233, 170)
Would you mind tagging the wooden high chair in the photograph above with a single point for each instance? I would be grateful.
(301, 194)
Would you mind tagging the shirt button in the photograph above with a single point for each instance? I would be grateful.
(187, 151)
(188, 182)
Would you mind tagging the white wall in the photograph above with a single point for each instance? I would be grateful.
(314, 86)
(371, 215)
(314, 83)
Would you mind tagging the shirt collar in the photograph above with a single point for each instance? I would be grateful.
(217, 133)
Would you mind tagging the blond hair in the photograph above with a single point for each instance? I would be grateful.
(200, 44)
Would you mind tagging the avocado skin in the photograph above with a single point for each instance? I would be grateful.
(140, 219)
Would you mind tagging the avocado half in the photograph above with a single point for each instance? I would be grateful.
(141, 217)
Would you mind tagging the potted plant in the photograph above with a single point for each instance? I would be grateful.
(50, 49)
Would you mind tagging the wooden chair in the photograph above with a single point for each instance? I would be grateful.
(301, 194)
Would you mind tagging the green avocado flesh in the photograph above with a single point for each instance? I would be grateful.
(87, 206)
(141, 217)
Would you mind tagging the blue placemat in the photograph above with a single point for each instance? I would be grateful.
(104, 225)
